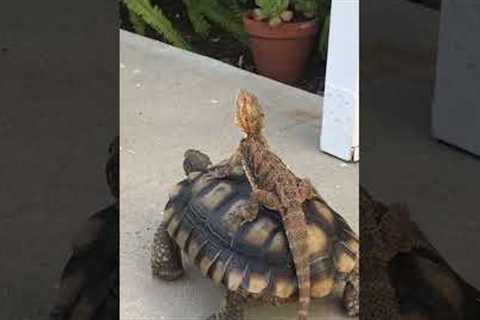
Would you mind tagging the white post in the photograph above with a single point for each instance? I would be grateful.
(340, 116)
(456, 109)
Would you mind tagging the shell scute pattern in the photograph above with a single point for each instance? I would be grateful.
(277, 244)
(260, 232)
(254, 256)
(236, 271)
(323, 284)
(283, 286)
(174, 223)
(213, 198)
(344, 260)
(217, 272)
(184, 233)
(197, 242)
(321, 265)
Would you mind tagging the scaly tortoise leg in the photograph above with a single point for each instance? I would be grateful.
(232, 308)
(166, 258)
(351, 293)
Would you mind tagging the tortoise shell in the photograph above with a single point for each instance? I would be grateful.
(254, 256)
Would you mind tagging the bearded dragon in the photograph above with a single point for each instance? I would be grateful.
(274, 185)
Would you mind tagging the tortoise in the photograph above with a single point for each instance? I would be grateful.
(405, 276)
(251, 259)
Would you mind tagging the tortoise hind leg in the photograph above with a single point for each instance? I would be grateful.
(351, 293)
(166, 258)
(232, 308)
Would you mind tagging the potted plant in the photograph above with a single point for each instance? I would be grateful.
(281, 36)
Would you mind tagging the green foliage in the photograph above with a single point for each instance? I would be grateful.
(197, 18)
(272, 10)
(323, 40)
(275, 12)
(309, 8)
(236, 7)
(226, 15)
(323, 9)
(137, 23)
(323, 15)
(278, 11)
(201, 13)
(154, 17)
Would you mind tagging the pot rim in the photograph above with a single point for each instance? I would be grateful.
(286, 30)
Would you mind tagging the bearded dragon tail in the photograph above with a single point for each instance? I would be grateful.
(297, 233)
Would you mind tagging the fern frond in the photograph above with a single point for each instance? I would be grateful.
(323, 9)
(323, 41)
(137, 23)
(154, 17)
(235, 8)
(222, 16)
(197, 19)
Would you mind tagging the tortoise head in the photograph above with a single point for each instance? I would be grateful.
(195, 161)
(249, 114)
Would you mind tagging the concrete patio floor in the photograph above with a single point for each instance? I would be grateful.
(172, 100)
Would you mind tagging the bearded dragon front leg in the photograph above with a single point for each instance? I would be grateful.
(268, 199)
(230, 168)
(306, 190)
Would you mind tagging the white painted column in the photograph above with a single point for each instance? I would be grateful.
(340, 116)
(456, 108)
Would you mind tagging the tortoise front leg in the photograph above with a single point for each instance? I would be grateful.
(166, 258)
(232, 308)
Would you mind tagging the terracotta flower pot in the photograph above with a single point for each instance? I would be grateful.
(281, 52)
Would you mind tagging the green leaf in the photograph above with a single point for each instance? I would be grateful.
(275, 21)
(272, 8)
(137, 23)
(259, 14)
(323, 41)
(309, 8)
(155, 18)
(197, 18)
(219, 14)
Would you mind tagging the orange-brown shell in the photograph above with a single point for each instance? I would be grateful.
(254, 256)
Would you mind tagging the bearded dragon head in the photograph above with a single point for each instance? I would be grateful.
(249, 114)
